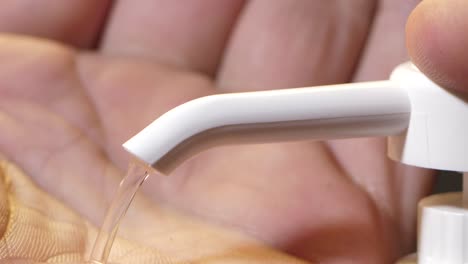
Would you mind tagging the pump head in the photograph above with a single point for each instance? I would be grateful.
(427, 125)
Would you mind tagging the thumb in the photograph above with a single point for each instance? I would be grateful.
(437, 41)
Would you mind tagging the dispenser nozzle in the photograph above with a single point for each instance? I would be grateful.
(427, 125)
(328, 112)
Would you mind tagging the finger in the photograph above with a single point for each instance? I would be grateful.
(189, 34)
(437, 41)
(290, 43)
(76, 22)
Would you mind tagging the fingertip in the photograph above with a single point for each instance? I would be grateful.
(437, 41)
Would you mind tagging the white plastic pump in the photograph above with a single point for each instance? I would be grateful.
(426, 125)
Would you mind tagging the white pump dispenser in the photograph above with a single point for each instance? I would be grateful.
(336, 111)
(427, 127)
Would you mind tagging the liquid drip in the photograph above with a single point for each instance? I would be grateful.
(128, 187)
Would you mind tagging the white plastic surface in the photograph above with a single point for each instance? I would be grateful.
(437, 134)
(444, 231)
(350, 104)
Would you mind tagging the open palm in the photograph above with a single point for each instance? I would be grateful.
(65, 111)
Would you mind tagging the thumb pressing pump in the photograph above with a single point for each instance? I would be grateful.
(426, 126)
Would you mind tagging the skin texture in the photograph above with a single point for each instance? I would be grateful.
(65, 111)
(37, 228)
(440, 26)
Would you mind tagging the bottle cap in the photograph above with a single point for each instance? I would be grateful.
(443, 230)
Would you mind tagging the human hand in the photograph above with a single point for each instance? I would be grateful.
(65, 113)
(37, 228)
